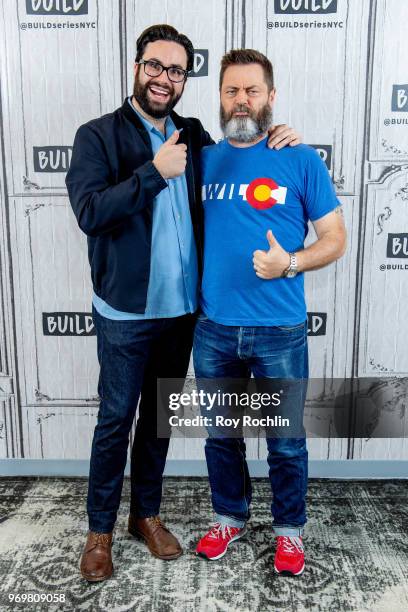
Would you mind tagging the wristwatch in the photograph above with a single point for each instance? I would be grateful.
(292, 270)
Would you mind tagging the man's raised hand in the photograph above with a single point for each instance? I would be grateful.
(170, 160)
(271, 264)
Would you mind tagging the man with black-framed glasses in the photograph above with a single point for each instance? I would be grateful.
(154, 69)
(134, 186)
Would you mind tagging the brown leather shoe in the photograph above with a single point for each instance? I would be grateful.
(161, 543)
(96, 560)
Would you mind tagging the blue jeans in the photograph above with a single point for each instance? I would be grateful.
(267, 352)
(132, 355)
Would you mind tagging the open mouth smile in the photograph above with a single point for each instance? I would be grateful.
(158, 93)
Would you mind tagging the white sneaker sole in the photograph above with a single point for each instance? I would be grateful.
(233, 539)
(288, 572)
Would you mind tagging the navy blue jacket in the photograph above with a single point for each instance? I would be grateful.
(112, 183)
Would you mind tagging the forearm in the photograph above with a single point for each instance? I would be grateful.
(325, 250)
(102, 210)
(99, 203)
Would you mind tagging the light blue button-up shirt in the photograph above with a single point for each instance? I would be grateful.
(173, 280)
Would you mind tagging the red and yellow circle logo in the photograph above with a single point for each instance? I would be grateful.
(258, 193)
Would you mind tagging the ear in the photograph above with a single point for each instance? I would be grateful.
(271, 97)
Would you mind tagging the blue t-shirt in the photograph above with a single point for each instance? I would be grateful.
(246, 191)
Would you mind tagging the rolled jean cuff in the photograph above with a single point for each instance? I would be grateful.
(229, 520)
(288, 530)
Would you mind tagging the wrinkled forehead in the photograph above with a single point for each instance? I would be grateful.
(244, 75)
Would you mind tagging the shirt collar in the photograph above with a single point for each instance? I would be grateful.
(148, 125)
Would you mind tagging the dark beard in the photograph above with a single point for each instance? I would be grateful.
(243, 130)
(140, 93)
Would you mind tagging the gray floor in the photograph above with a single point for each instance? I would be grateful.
(356, 551)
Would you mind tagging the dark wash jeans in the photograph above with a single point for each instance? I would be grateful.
(132, 355)
(267, 352)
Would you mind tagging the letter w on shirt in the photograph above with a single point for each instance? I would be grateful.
(213, 191)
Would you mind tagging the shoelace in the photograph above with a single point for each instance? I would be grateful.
(291, 543)
(217, 529)
(100, 537)
(157, 521)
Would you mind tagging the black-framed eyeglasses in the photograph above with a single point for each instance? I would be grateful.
(155, 69)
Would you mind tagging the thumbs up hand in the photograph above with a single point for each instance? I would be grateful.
(272, 263)
(170, 160)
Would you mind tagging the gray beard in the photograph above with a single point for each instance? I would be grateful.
(246, 129)
(241, 129)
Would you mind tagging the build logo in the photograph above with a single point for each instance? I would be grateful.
(52, 159)
(399, 101)
(325, 152)
(200, 65)
(57, 7)
(397, 246)
(67, 324)
(297, 7)
(316, 323)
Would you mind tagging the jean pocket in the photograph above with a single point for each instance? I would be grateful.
(291, 328)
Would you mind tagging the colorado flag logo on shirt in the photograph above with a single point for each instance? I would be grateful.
(261, 193)
(264, 193)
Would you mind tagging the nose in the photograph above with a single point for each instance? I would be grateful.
(165, 76)
(163, 80)
(241, 97)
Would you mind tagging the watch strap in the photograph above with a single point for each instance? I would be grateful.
(292, 268)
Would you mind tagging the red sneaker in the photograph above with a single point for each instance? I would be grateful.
(215, 543)
(290, 555)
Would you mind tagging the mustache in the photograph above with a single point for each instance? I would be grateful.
(240, 108)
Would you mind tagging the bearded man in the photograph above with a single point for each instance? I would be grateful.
(134, 185)
(257, 204)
